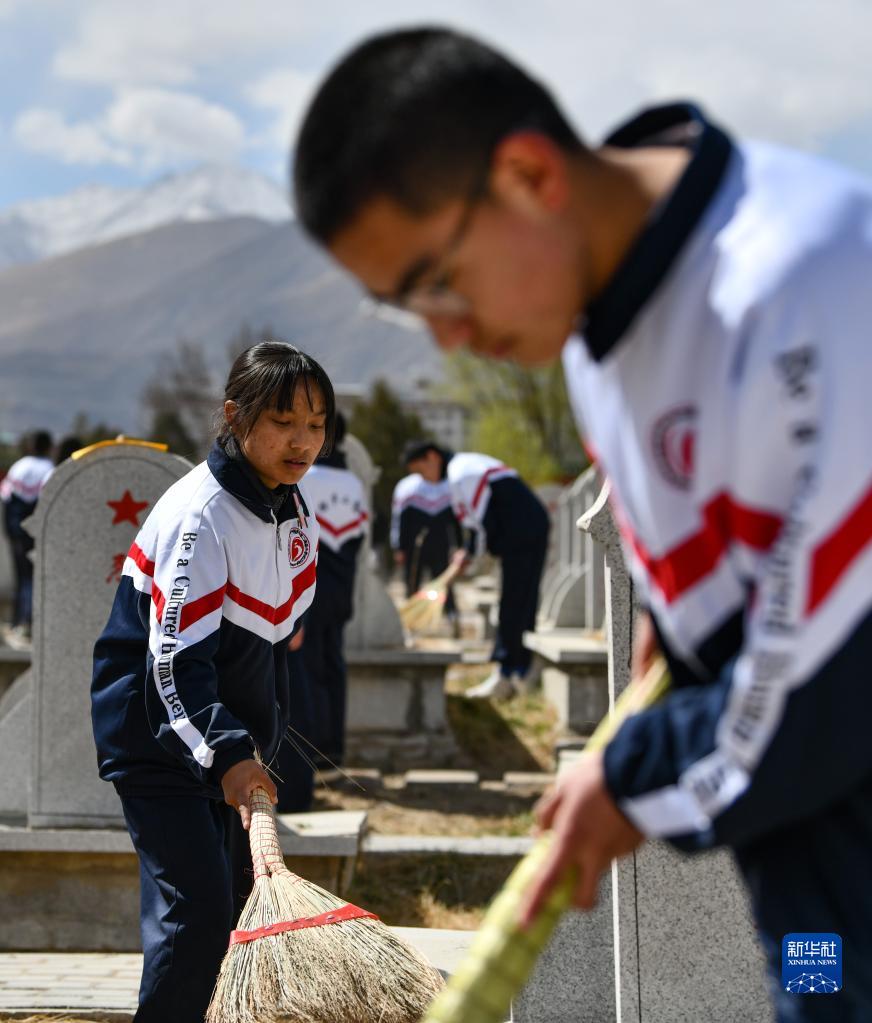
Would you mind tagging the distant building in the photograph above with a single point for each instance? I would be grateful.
(442, 418)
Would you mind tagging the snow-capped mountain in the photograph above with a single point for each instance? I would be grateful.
(87, 331)
(32, 231)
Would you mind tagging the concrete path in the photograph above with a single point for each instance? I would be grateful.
(104, 986)
(79, 982)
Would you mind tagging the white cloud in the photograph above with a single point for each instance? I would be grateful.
(153, 128)
(168, 43)
(168, 127)
(46, 132)
(9, 7)
(285, 93)
(792, 70)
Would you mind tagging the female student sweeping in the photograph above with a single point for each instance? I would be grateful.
(190, 674)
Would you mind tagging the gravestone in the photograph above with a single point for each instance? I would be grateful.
(572, 591)
(375, 623)
(569, 631)
(88, 515)
(395, 716)
(549, 495)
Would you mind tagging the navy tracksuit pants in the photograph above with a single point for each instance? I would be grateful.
(519, 599)
(813, 877)
(295, 775)
(427, 559)
(195, 874)
(516, 527)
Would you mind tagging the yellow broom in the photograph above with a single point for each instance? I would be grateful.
(502, 956)
(423, 609)
(301, 954)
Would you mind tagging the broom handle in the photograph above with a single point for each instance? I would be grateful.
(266, 852)
(501, 957)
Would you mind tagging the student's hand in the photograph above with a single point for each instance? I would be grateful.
(645, 647)
(459, 560)
(296, 641)
(589, 832)
(240, 781)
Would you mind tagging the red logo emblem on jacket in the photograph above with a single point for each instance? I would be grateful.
(673, 439)
(298, 547)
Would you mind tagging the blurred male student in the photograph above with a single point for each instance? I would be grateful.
(711, 302)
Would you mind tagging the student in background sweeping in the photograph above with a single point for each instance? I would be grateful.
(190, 675)
(19, 492)
(423, 531)
(338, 499)
(504, 516)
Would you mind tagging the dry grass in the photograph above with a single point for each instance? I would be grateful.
(392, 810)
(52, 1018)
(517, 735)
(441, 890)
(429, 890)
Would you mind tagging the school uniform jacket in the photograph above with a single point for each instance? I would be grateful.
(723, 381)
(190, 673)
(418, 505)
(19, 491)
(338, 499)
(500, 511)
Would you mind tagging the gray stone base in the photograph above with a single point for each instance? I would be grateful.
(396, 717)
(89, 902)
(580, 696)
(78, 890)
(13, 664)
(575, 676)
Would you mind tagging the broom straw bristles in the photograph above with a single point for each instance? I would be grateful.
(355, 971)
(423, 610)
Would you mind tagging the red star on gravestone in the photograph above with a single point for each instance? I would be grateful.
(127, 510)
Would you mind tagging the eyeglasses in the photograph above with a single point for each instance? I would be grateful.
(435, 297)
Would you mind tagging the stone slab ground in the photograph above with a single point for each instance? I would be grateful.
(103, 986)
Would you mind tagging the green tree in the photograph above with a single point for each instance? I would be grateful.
(182, 398)
(89, 432)
(382, 426)
(518, 415)
(168, 428)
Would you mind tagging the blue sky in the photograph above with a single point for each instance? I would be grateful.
(119, 92)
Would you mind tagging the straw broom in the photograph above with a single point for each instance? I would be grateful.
(301, 954)
(424, 609)
(502, 956)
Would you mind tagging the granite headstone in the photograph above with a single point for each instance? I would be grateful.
(375, 623)
(88, 515)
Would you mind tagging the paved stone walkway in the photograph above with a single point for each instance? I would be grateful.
(72, 981)
(103, 985)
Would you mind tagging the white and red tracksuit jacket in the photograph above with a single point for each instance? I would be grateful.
(190, 673)
(724, 382)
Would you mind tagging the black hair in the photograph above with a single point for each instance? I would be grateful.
(266, 376)
(42, 444)
(414, 115)
(340, 428)
(416, 449)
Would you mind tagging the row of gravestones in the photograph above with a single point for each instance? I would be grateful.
(86, 519)
(671, 939)
(573, 583)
